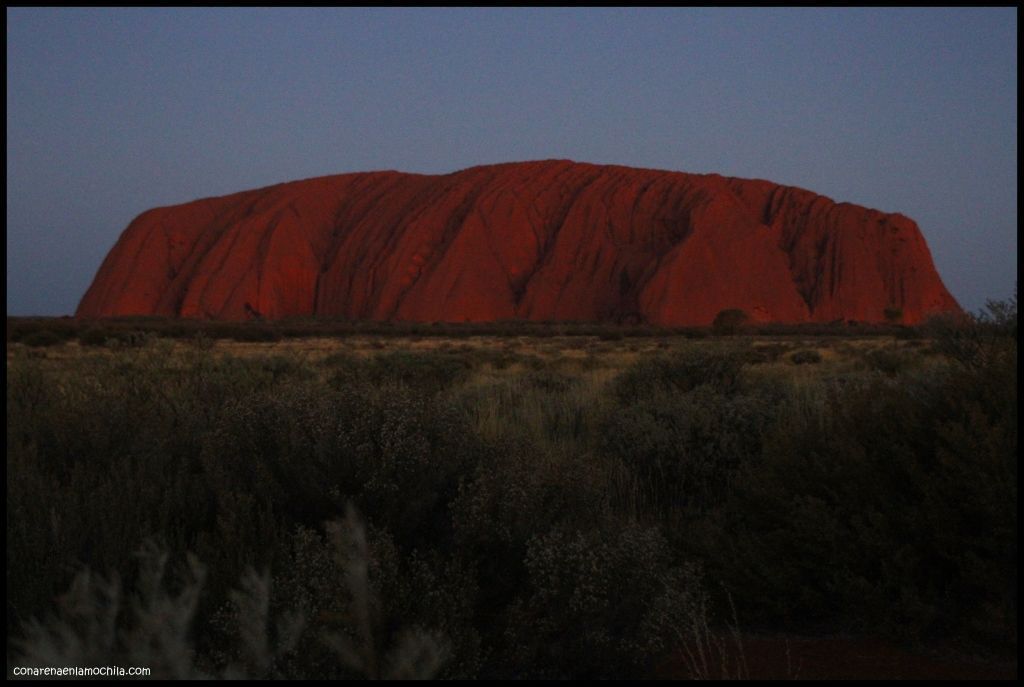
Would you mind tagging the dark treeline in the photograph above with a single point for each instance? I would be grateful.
(447, 513)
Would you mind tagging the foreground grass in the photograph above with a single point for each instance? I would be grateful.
(569, 505)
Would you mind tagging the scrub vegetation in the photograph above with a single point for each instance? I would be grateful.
(334, 500)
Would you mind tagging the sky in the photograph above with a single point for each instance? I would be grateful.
(114, 111)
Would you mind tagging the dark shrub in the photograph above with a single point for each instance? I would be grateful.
(977, 341)
(136, 338)
(884, 506)
(42, 339)
(611, 336)
(682, 371)
(202, 341)
(603, 603)
(729, 321)
(252, 332)
(684, 450)
(426, 371)
(95, 336)
(893, 314)
(889, 361)
(429, 591)
(510, 498)
(767, 352)
(281, 367)
(18, 328)
(809, 356)
(301, 448)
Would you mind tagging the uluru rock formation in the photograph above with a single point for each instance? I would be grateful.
(552, 240)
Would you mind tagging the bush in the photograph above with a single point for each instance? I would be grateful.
(429, 373)
(510, 498)
(255, 333)
(43, 338)
(729, 321)
(687, 369)
(977, 341)
(890, 361)
(603, 603)
(893, 314)
(805, 357)
(767, 353)
(94, 336)
(886, 505)
(19, 328)
(683, 451)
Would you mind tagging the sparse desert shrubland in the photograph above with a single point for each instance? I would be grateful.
(344, 500)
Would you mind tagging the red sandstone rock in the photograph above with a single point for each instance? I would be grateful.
(552, 240)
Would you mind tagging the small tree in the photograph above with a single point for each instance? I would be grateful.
(1000, 315)
(978, 340)
(729, 321)
(893, 314)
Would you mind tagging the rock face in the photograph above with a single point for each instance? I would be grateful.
(553, 240)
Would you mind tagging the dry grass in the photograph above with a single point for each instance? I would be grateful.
(571, 354)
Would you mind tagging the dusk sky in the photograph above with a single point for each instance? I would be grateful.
(114, 111)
